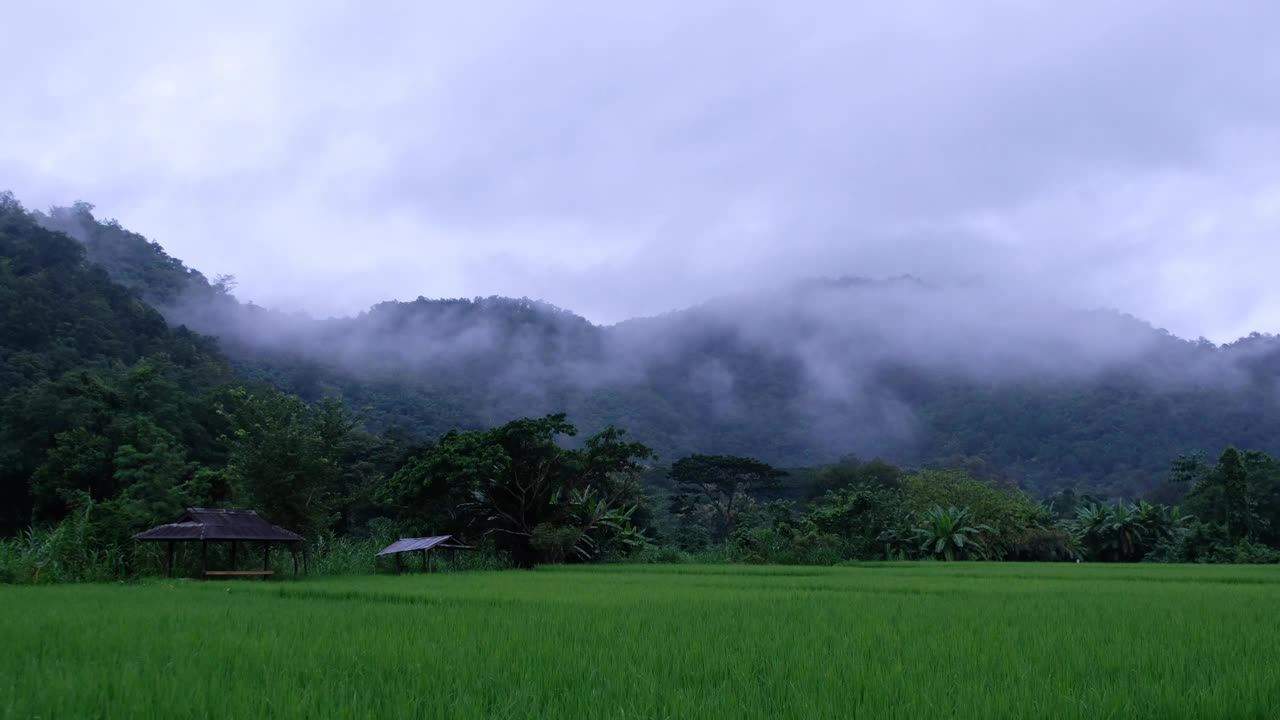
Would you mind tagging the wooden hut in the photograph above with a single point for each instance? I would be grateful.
(206, 525)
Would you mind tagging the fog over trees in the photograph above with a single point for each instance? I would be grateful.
(797, 374)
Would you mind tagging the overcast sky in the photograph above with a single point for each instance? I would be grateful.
(621, 158)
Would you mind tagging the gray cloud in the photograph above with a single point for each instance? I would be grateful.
(622, 159)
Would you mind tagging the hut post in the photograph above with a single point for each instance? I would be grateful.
(424, 560)
(168, 559)
(234, 544)
(293, 551)
(266, 555)
(204, 557)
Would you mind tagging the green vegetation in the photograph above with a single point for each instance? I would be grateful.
(97, 393)
(951, 534)
(114, 416)
(885, 641)
(539, 500)
(728, 380)
(113, 420)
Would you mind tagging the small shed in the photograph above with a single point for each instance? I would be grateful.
(423, 545)
(205, 525)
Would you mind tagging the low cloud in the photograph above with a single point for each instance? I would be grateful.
(624, 161)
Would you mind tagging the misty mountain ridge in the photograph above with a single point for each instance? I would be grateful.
(798, 374)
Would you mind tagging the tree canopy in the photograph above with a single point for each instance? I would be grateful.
(697, 382)
(112, 410)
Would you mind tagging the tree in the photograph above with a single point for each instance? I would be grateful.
(1125, 532)
(155, 483)
(854, 472)
(1159, 523)
(1006, 512)
(77, 466)
(863, 516)
(518, 483)
(1236, 507)
(426, 493)
(721, 484)
(284, 457)
(1241, 493)
(950, 534)
(1068, 500)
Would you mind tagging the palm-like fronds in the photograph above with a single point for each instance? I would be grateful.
(1125, 532)
(951, 534)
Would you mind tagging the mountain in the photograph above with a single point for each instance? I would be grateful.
(94, 384)
(1046, 395)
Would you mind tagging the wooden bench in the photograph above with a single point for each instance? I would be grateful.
(264, 574)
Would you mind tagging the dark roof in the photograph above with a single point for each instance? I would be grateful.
(214, 524)
(421, 543)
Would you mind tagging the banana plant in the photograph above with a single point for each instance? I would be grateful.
(951, 534)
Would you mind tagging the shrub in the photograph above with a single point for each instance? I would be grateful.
(1039, 544)
(659, 555)
(1210, 543)
(691, 539)
(554, 543)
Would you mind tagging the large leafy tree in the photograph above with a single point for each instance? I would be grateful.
(1241, 493)
(1110, 532)
(720, 487)
(852, 472)
(284, 457)
(1003, 511)
(868, 518)
(951, 534)
(521, 485)
(1125, 532)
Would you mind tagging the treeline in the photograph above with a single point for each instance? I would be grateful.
(528, 495)
(801, 377)
(1229, 512)
(107, 412)
(113, 420)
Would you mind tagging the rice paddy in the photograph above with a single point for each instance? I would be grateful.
(918, 640)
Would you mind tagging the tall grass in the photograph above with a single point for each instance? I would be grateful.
(916, 640)
(62, 553)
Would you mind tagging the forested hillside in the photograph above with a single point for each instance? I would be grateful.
(86, 370)
(448, 416)
(800, 375)
(105, 405)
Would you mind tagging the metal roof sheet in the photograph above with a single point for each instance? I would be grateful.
(419, 543)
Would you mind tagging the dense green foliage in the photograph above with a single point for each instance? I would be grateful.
(98, 395)
(113, 420)
(540, 500)
(876, 511)
(713, 491)
(107, 411)
(885, 641)
(759, 380)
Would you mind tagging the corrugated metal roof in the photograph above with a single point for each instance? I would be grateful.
(419, 543)
(218, 524)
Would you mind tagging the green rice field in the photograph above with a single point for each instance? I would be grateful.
(918, 640)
